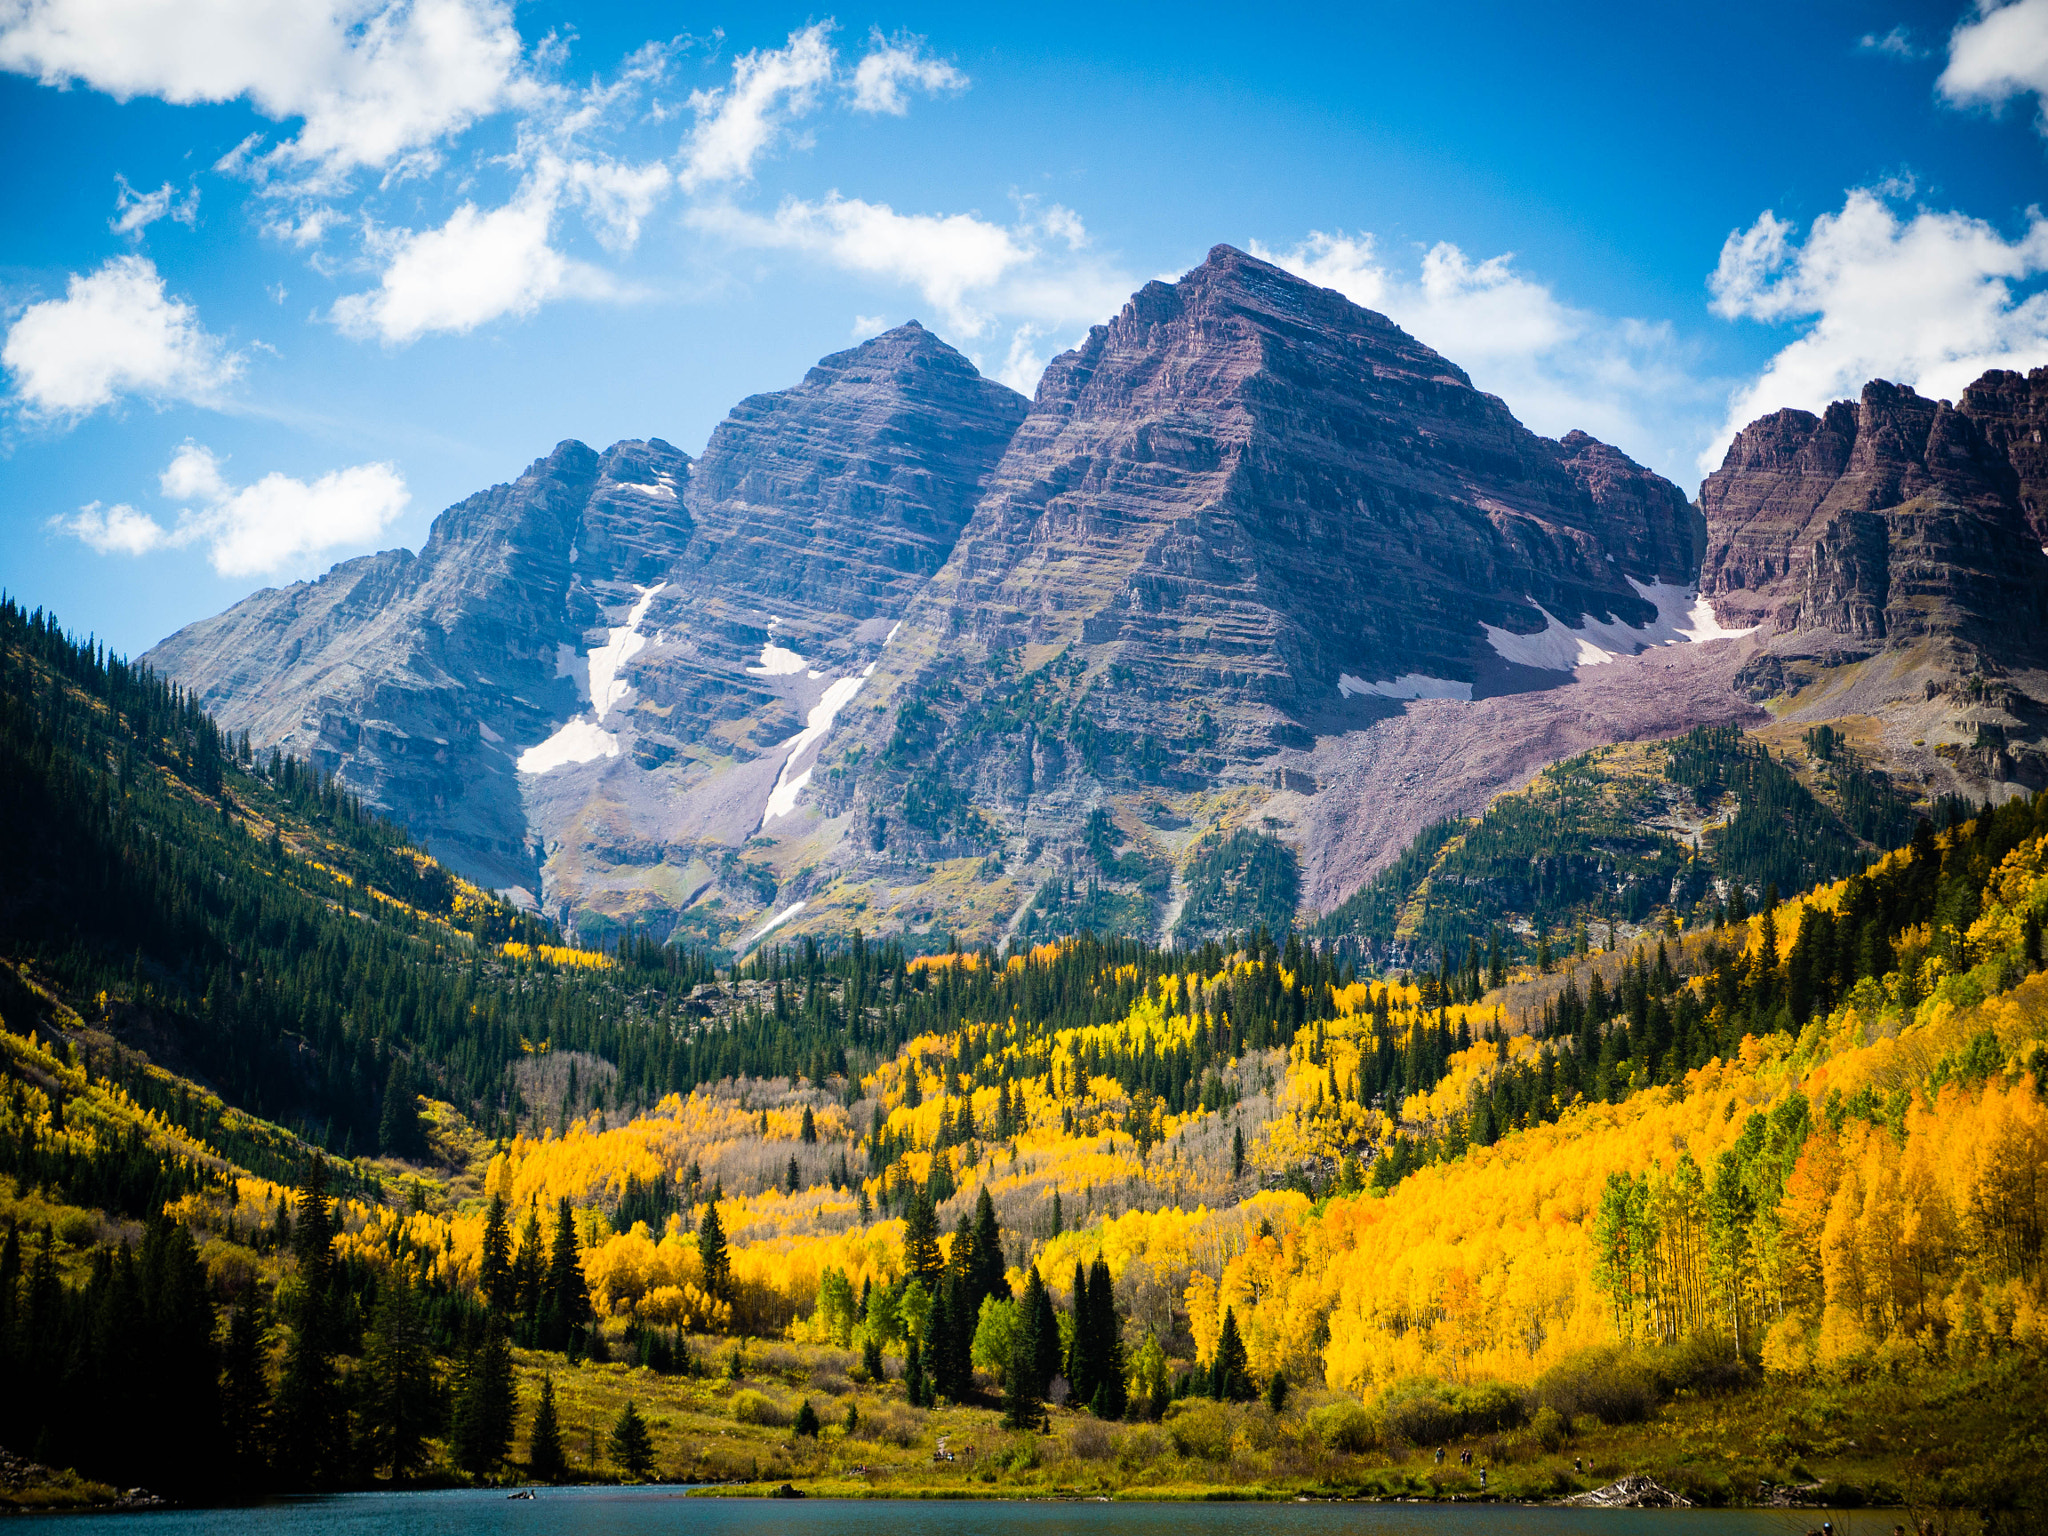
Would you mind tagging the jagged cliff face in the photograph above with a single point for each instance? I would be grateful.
(904, 650)
(1890, 552)
(591, 683)
(1890, 519)
(419, 677)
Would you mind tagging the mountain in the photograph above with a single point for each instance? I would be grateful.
(1256, 591)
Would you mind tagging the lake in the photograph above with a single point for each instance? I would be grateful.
(631, 1511)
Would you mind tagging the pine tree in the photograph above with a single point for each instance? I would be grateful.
(794, 1178)
(1046, 1332)
(494, 1276)
(529, 1277)
(938, 1344)
(545, 1459)
(915, 1387)
(1109, 1344)
(1084, 1373)
(987, 1275)
(1022, 1389)
(311, 1432)
(1237, 1153)
(806, 1421)
(711, 1254)
(402, 1394)
(567, 1307)
(1229, 1380)
(244, 1394)
(921, 1257)
(1058, 1219)
(809, 1134)
(485, 1402)
(398, 1130)
(631, 1445)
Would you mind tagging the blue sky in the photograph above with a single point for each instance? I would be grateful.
(277, 287)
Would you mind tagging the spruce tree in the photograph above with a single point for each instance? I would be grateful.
(809, 1134)
(1237, 1153)
(545, 1459)
(1046, 1331)
(567, 1307)
(987, 1275)
(398, 1128)
(1109, 1344)
(494, 1275)
(711, 1254)
(921, 1257)
(481, 1435)
(311, 1431)
(1022, 1390)
(631, 1445)
(529, 1277)
(401, 1392)
(806, 1421)
(938, 1341)
(1084, 1373)
(245, 1396)
(1229, 1380)
(914, 1385)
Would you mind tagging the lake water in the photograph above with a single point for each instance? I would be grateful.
(634, 1511)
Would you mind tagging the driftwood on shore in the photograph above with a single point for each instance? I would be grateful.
(1630, 1493)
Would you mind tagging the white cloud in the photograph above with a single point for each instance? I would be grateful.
(866, 326)
(1898, 43)
(116, 331)
(118, 530)
(617, 196)
(2000, 54)
(370, 81)
(1558, 367)
(968, 268)
(277, 524)
(1024, 365)
(880, 79)
(136, 211)
(1927, 301)
(479, 266)
(771, 88)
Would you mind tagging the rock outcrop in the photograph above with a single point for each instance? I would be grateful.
(1891, 519)
(905, 650)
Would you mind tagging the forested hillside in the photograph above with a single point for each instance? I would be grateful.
(320, 1169)
(1680, 830)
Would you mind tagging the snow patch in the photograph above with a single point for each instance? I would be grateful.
(584, 740)
(620, 647)
(788, 785)
(658, 491)
(1684, 617)
(890, 639)
(489, 735)
(580, 741)
(778, 661)
(773, 923)
(1410, 685)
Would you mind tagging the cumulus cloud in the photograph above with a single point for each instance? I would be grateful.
(1559, 367)
(893, 67)
(479, 266)
(770, 89)
(370, 81)
(115, 332)
(1928, 301)
(1999, 54)
(967, 267)
(277, 524)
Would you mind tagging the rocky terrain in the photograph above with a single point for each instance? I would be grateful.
(905, 650)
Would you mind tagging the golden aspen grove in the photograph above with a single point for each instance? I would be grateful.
(1749, 1202)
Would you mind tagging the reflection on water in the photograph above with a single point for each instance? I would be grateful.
(633, 1511)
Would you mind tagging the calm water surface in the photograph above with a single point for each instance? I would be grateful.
(648, 1511)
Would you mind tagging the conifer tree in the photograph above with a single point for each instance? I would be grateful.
(545, 1459)
(494, 1273)
(987, 1275)
(809, 1134)
(311, 1437)
(938, 1344)
(244, 1394)
(481, 1434)
(1084, 1373)
(402, 1394)
(1109, 1344)
(711, 1254)
(1058, 1219)
(631, 1445)
(921, 1257)
(398, 1130)
(806, 1425)
(915, 1386)
(529, 1277)
(567, 1307)
(1046, 1332)
(1237, 1153)
(1229, 1380)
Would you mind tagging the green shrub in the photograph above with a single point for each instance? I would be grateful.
(751, 1407)
(1425, 1412)
(1345, 1426)
(1606, 1381)
(1201, 1428)
(1549, 1425)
